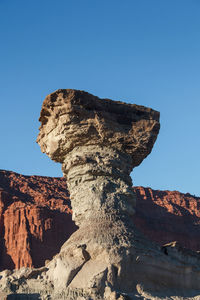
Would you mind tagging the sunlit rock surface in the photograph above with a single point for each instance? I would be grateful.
(35, 219)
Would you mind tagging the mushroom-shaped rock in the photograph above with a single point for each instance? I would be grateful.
(98, 141)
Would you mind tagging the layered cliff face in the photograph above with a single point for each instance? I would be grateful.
(35, 218)
(165, 216)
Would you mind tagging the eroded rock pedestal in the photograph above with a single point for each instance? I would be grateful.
(99, 142)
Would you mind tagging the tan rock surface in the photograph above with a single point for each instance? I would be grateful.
(72, 118)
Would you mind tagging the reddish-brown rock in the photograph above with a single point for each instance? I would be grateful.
(166, 216)
(35, 218)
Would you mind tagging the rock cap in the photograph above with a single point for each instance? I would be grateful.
(71, 118)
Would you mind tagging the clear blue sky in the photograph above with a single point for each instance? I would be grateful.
(140, 51)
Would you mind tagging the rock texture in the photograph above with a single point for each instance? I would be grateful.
(35, 219)
(166, 216)
(98, 143)
(163, 216)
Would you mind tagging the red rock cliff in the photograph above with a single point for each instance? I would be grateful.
(35, 218)
(166, 216)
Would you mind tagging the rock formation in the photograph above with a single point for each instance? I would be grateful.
(36, 218)
(98, 142)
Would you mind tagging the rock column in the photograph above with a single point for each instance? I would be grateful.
(99, 183)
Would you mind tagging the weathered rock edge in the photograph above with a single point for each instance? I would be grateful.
(99, 142)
